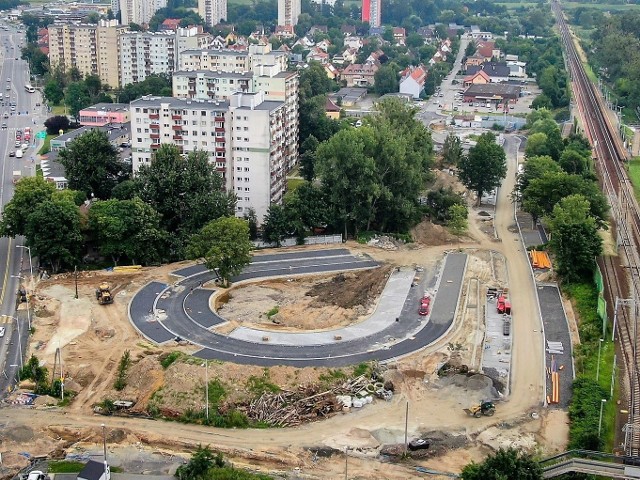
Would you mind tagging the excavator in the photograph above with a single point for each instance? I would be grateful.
(483, 408)
(103, 294)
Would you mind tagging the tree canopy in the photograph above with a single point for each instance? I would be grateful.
(484, 167)
(509, 464)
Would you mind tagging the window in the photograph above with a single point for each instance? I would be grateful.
(239, 169)
(246, 199)
(246, 169)
(139, 140)
(246, 189)
(239, 179)
(246, 179)
(246, 129)
(139, 130)
(239, 189)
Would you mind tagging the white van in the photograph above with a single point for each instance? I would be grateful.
(18, 153)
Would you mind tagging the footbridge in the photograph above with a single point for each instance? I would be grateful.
(591, 463)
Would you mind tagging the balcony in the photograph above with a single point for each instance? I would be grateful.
(154, 126)
(154, 135)
(155, 146)
(154, 116)
(176, 127)
(176, 117)
(219, 129)
(177, 137)
(219, 119)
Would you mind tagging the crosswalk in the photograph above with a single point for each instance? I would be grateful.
(4, 319)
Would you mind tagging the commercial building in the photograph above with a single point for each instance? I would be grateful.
(212, 11)
(495, 93)
(92, 49)
(244, 137)
(288, 13)
(139, 11)
(104, 113)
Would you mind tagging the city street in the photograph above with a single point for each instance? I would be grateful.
(14, 261)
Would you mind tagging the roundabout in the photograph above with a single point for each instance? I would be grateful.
(181, 311)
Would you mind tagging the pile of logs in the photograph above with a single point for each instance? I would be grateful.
(289, 408)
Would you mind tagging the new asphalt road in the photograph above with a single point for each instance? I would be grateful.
(161, 313)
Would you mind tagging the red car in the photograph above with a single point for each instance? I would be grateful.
(425, 303)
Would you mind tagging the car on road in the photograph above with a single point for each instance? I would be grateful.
(4, 126)
(13, 108)
(12, 154)
(17, 144)
(2, 332)
(425, 305)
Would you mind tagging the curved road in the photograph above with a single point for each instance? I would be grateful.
(192, 325)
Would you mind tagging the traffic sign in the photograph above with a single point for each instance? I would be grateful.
(42, 134)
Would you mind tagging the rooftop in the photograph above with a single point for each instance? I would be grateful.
(215, 52)
(107, 107)
(211, 74)
(113, 130)
(493, 89)
(185, 103)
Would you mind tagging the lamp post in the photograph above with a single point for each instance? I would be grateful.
(28, 307)
(75, 271)
(599, 352)
(602, 402)
(30, 259)
(206, 388)
(104, 447)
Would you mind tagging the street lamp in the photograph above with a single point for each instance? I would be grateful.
(206, 388)
(30, 261)
(28, 307)
(603, 401)
(104, 446)
(599, 352)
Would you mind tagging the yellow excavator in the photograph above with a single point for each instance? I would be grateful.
(484, 408)
(103, 294)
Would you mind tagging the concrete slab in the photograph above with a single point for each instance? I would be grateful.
(388, 309)
(496, 356)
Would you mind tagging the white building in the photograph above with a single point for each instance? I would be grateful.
(212, 11)
(412, 81)
(208, 85)
(214, 60)
(288, 13)
(146, 53)
(139, 11)
(244, 137)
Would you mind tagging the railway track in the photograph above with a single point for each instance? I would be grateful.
(610, 156)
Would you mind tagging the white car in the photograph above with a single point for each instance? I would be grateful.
(1, 332)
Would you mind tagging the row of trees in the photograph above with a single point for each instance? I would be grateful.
(558, 186)
(152, 218)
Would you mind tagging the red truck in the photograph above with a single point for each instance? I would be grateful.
(504, 306)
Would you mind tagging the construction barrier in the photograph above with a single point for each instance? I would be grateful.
(127, 268)
(540, 259)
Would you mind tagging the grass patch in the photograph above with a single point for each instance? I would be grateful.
(46, 146)
(166, 360)
(293, 183)
(272, 312)
(259, 385)
(332, 376)
(361, 369)
(58, 110)
(634, 175)
(65, 466)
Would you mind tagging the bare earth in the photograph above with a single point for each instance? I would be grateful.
(93, 338)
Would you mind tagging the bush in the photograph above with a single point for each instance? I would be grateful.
(259, 385)
(166, 360)
(584, 414)
(56, 123)
(123, 366)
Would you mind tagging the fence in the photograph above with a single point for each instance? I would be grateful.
(292, 241)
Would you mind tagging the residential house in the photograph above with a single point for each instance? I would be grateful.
(474, 60)
(317, 29)
(375, 57)
(487, 50)
(478, 78)
(360, 75)
(497, 72)
(331, 71)
(317, 55)
(304, 42)
(43, 40)
(170, 25)
(412, 81)
(323, 45)
(427, 32)
(218, 42)
(348, 56)
(285, 31)
(353, 42)
(348, 30)
(332, 110)
(399, 35)
(517, 69)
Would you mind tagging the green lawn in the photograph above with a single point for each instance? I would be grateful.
(293, 183)
(634, 175)
(240, 2)
(46, 145)
(599, 6)
(65, 466)
(58, 110)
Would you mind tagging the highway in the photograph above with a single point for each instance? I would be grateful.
(14, 260)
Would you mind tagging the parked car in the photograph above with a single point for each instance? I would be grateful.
(12, 153)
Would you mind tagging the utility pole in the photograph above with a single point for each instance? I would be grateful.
(406, 428)
(75, 270)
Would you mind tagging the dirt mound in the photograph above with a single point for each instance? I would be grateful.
(348, 290)
(427, 233)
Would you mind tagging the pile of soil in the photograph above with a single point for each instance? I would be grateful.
(348, 290)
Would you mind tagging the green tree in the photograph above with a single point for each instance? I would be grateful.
(128, 228)
(77, 97)
(252, 221)
(56, 123)
(202, 460)
(29, 193)
(308, 157)
(314, 81)
(38, 61)
(53, 92)
(305, 208)
(537, 145)
(186, 192)
(54, 233)
(275, 226)
(451, 150)
(536, 167)
(509, 464)
(550, 128)
(386, 80)
(574, 238)
(314, 121)
(92, 165)
(458, 223)
(572, 162)
(224, 244)
(484, 167)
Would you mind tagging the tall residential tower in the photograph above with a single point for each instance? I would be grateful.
(288, 13)
(371, 12)
(212, 11)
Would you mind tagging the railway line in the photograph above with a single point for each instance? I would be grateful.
(610, 156)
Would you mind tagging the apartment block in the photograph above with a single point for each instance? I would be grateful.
(146, 53)
(372, 12)
(92, 49)
(261, 69)
(139, 11)
(288, 13)
(212, 11)
(245, 138)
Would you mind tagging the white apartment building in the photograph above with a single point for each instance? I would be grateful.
(92, 49)
(288, 13)
(258, 70)
(146, 53)
(212, 11)
(244, 137)
(139, 11)
(207, 85)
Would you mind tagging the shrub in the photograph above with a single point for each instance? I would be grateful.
(123, 366)
(166, 360)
